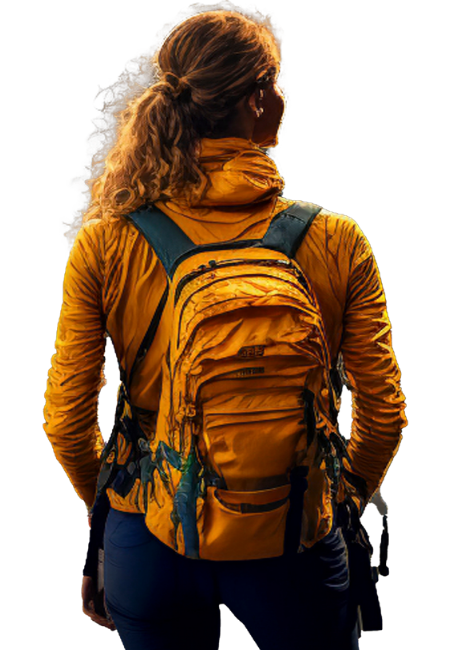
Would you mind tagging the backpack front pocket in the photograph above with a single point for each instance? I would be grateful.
(243, 525)
(246, 447)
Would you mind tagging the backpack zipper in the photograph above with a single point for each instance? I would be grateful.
(220, 377)
(213, 264)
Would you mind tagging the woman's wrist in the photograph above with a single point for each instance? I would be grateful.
(89, 514)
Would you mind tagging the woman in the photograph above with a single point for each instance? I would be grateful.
(193, 145)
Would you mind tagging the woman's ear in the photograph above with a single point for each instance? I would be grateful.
(255, 101)
(268, 122)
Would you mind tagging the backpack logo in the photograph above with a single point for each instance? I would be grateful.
(250, 351)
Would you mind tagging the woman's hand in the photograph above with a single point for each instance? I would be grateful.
(89, 596)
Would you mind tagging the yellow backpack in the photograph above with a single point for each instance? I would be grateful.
(249, 405)
(247, 401)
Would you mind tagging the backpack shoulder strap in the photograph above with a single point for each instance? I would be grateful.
(289, 227)
(165, 237)
(285, 233)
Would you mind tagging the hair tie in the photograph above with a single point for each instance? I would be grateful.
(175, 86)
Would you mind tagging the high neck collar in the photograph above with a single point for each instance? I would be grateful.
(225, 147)
(238, 172)
(242, 188)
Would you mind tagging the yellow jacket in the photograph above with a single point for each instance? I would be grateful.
(113, 284)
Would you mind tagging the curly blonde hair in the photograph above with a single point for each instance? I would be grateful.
(205, 66)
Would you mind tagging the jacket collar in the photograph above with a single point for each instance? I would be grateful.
(242, 186)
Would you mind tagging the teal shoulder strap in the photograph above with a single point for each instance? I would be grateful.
(285, 234)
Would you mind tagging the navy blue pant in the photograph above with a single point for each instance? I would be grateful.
(160, 600)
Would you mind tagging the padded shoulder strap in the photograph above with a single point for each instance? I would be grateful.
(288, 228)
(165, 237)
(285, 233)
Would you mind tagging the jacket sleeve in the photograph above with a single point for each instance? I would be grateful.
(76, 374)
(372, 375)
